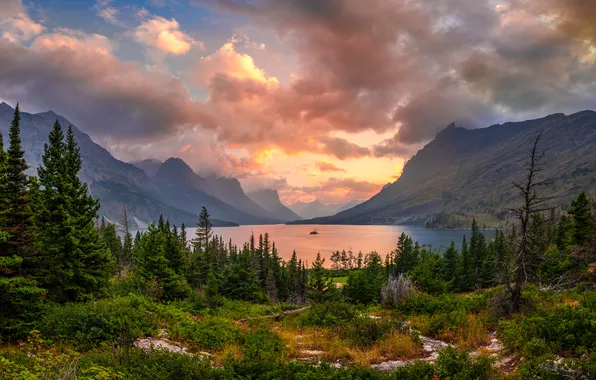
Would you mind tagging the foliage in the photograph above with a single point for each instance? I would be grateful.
(211, 333)
(262, 346)
(328, 314)
(364, 331)
(87, 325)
(397, 289)
(22, 306)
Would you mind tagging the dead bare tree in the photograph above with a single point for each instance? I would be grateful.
(532, 204)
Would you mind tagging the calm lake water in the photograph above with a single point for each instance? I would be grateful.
(382, 239)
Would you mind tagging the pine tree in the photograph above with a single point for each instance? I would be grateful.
(450, 267)
(467, 276)
(319, 287)
(76, 263)
(152, 264)
(114, 245)
(583, 219)
(3, 194)
(18, 216)
(478, 253)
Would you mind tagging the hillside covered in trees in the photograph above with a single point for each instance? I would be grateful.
(81, 301)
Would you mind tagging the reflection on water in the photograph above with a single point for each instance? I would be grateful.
(330, 238)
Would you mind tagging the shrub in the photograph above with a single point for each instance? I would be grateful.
(22, 306)
(86, 325)
(328, 314)
(212, 333)
(365, 331)
(456, 364)
(263, 345)
(397, 290)
(563, 328)
(138, 364)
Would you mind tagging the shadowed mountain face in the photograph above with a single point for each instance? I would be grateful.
(114, 182)
(469, 173)
(316, 209)
(149, 166)
(269, 200)
(181, 186)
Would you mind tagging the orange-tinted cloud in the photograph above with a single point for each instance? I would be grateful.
(164, 35)
(328, 167)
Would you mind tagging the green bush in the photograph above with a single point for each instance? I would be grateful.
(456, 365)
(425, 304)
(328, 314)
(211, 333)
(154, 365)
(22, 307)
(263, 345)
(563, 328)
(364, 331)
(86, 325)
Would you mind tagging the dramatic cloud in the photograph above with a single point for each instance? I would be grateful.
(328, 167)
(381, 64)
(164, 35)
(77, 75)
(332, 190)
(311, 85)
(15, 24)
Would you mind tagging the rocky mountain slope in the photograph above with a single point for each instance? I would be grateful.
(316, 208)
(185, 189)
(469, 173)
(114, 182)
(269, 200)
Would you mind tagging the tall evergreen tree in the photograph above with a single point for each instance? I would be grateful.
(18, 215)
(319, 287)
(478, 253)
(467, 276)
(76, 263)
(3, 194)
(450, 267)
(583, 219)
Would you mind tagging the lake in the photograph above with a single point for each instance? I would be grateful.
(382, 239)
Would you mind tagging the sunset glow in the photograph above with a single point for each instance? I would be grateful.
(315, 99)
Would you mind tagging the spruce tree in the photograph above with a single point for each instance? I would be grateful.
(583, 219)
(319, 287)
(18, 215)
(76, 263)
(114, 245)
(450, 267)
(478, 253)
(467, 276)
(3, 194)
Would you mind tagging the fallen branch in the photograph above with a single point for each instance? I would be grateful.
(278, 315)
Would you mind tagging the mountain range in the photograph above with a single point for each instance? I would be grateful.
(466, 173)
(316, 208)
(149, 188)
(269, 200)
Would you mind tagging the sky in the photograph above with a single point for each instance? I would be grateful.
(318, 99)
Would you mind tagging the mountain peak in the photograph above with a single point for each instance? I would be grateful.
(5, 107)
(49, 113)
(176, 165)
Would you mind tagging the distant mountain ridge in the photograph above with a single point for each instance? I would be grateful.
(188, 190)
(468, 173)
(269, 200)
(119, 184)
(316, 208)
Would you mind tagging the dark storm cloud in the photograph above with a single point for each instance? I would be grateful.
(83, 81)
(422, 65)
